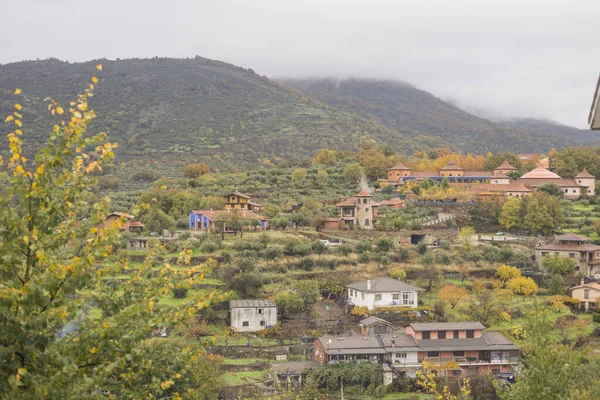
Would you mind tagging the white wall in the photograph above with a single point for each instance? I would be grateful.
(361, 299)
(253, 317)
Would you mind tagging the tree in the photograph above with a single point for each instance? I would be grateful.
(325, 157)
(299, 174)
(353, 172)
(398, 273)
(507, 272)
(597, 226)
(542, 213)
(308, 292)
(384, 244)
(453, 295)
(559, 265)
(465, 235)
(431, 274)
(322, 175)
(288, 303)
(374, 162)
(522, 285)
(193, 171)
(552, 189)
(510, 214)
(54, 260)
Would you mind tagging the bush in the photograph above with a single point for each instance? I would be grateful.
(422, 248)
(180, 293)
(364, 257)
(404, 254)
(318, 247)
(596, 318)
(210, 245)
(185, 235)
(399, 274)
(306, 263)
(192, 243)
(344, 249)
(271, 253)
(384, 260)
(385, 244)
(363, 246)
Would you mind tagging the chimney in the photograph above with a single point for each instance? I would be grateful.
(393, 344)
(582, 281)
(368, 284)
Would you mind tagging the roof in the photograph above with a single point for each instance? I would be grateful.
(384, 284)
(391, 202)
(452, 167)
(293, 367)
(488, 341)
(364, 193)
(590, 285)
(584, 174)
(400, 167)
(556, 245)
(512, 186)
(446, 326)
(540, 173)
(255, 204)
(372, 320)
(568, 183)
(250, 303)
(120, 214)
(594, 117)
(215, 215)
(136, 223)
(236, 193)
(506, 165)
(353, 345)
(572, 237)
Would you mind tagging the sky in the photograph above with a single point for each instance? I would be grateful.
(526, 58)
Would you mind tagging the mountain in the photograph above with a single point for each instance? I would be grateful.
(200, 109)
(401, 106)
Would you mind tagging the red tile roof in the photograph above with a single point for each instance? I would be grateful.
(591, 285)
(364, 193)
(399, 167)
(506, 165)
(451, 167)
(584, 174)
(215, 215)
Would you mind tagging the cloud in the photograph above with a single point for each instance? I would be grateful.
(520, 58)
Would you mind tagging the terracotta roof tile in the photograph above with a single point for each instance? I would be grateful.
(584, 174)
(506, 165)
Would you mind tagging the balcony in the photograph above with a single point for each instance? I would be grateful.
(471, 360)
(394, 303)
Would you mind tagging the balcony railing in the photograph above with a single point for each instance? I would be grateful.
(471, 360)
(394, 303)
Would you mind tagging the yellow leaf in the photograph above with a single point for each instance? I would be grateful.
(17, 91)
(59, 110)
(26, 239)
(18, 123)
(9, 118)
(21, 371)
(94, 79)
(99, 67)
(151, 305)
(18, 107)
(94, 350)
(77, 114)
(40, 170)
(19, 169)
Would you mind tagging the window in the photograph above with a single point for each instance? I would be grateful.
(586, 294)
(379, 329)
(442, 335)
(544, 253)
(470, 334)
(245, 323)
(377, 297)
(426, 335)
(433, 354)
(260, 310)
(572, 255)
(574, 191)
(407, 297)
(366, 222)
(456, 334)
(495, 371)
(400, 355)
(366, 209)
(364, 201)
(566, 190)
(396, 296)
(579, 181)
(263, 323)
(456, 372)
(458, 354)
(362, 295)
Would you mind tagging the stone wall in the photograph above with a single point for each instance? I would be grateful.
(403, 237)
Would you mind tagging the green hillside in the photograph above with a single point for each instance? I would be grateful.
(401, 106)
(200, 109)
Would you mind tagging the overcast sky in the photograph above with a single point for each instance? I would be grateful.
(538, 58)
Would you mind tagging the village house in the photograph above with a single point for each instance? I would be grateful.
(383, 292)
(237, 207)
(588, 294)
(576, 247)
(252, 315)
(493, 184)
(463, 343)
(289, 375)
(358, 211)
(372, 326)
(130, 224)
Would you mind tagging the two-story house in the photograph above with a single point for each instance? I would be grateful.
(252, 315)
(358, 211)
(239, 201)
(130, 224)
(573, 246)
(383, 292)
(237, 207)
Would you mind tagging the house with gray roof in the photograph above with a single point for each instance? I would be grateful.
(372, 326)
(252, 315)
(383, 292)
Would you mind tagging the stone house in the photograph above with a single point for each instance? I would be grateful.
(358, 211)
(239, 201)
(130, 224)
(252, 315)
(575, 247)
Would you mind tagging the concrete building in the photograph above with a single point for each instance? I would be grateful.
(575, 247)
(372, 326)
(383, 292)
(588, 294)
(252, 315)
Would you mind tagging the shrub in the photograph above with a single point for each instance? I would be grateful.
(385, 244)
(185, 235)
(384, 260)
(344, 249)
(398, 273)
(226, 257)
(363, 246)
(596, 318)
(180, 293)
(209, 246)
(404, 254)
(192, 243)
(271, 253)
(318, 247)
(364, 257)
(422, 248)
(306, 263)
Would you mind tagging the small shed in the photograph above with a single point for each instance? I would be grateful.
(372, 326)
(288, 375)
(252, 315)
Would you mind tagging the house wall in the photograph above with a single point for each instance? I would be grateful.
(251, 315)
(594, 297)
(364, 212)
(331, 225)
(451, 173)
(590, 183)
(394, 175)
(397, 359)
(318, 352)
(462, 333)
(539, 257)
(362, 299)
(403, 237)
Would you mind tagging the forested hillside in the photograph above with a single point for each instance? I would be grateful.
(401, 106)
(227, 116)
